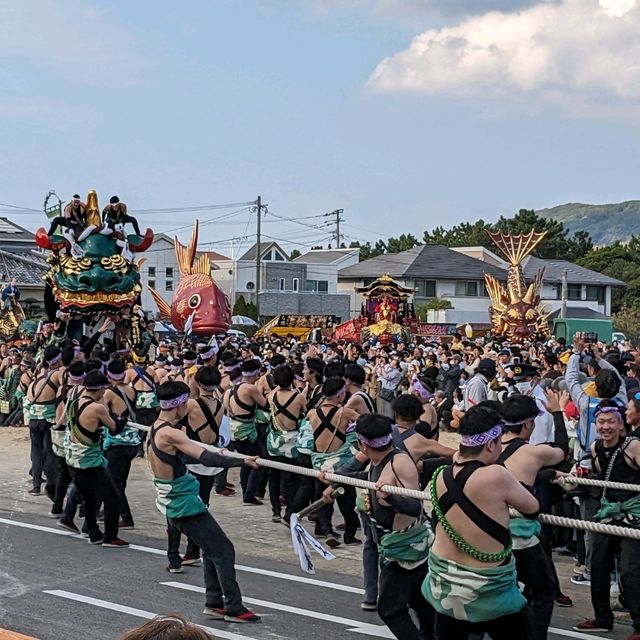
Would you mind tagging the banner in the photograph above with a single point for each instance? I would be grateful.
(426, 330)
(350, 330)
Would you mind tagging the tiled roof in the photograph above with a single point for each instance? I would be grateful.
(264, 247)
(324, 256)
(427, 261)
(27, 270)
(9, 230)
(553, 270)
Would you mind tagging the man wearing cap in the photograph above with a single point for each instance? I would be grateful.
(115, 213)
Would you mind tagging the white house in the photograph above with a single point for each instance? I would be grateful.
(436, 271)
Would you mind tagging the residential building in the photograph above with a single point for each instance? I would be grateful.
(457, 275)
(306, 285)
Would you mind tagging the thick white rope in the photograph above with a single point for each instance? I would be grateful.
(558, 521)
(567, 480)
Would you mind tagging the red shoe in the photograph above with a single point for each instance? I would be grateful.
(634, 636)
(225, 492)
(563, 601)
(117, 543)
(245, 616)
(592, 625)
(187, 561)
(215, 613)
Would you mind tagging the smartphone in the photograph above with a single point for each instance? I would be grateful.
(590, 337)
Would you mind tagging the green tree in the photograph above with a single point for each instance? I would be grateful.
(623, 263)
(252, 311)
(627, 320)
(402, 243)
(433, 304)
(240, 306)
(294, 254)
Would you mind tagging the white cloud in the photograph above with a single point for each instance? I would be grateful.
(73, 39)
(580, 51)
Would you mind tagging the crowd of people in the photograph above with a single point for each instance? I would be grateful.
(448, 568)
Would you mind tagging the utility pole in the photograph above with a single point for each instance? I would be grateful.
(258, 208)
(563, 308)
(337, 213)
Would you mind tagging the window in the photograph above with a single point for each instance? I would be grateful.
(168, 285)
(278, 256)
(311, 285)
(152, 284)
(169, 273)
(466, 288)
(152, 272)
(425, 288)
(596, 294)
(574, 292)
(323, 286)
(296, 284)
(282, 284)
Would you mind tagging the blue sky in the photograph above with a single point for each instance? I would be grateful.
(405, 113)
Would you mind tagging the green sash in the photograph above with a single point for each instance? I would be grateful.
(474, 594)
(146, 400)
(332, 460)
(524, 532)
(179, 498)
(43, 412)
(618, 510)
(305, 443)
(407, 547)
(243, 430)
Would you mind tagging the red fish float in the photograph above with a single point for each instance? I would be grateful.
(198, 303)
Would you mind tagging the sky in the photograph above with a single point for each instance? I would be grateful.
(407, 114)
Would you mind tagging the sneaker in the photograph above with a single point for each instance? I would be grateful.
(616, 605)
(69, 526)
(225, 492)
(581, 579)
(245, 616)
(369, 606)
(592, 625)
(55, 514)
(215, 613)
(174, 568)
(116, 543)
(99, 540)
(253, 503)
(189, 562)
(352, 542)
(125, 525)
(578, 570)
(563, 601)
(34, 492)
(634, 636)
(229, 485)
(275, 517)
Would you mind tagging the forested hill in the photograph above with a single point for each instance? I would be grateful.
(606, 223)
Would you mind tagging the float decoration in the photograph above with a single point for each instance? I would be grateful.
(516, 312)
(199, 306)
(386, 308)
(91, 265)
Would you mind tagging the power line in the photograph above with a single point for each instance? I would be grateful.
(207, 207)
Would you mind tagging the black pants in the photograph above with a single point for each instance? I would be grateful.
(95, 485)
(63, 480)
(306, 487)
(64, 222)
(504, 628)
(399, 591)
(173, 534)
(346, 504)
(605, 549)
(282, 483)
(111, 223)
(535, 570)
(218, 558)
(249, 478)
(120, 458)
(41, 454)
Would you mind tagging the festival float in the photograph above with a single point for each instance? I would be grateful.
(516, 312)
(199, 306)
(92, 269)
(303, 327)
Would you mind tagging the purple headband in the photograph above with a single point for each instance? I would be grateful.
(229, 369)
(250, 374)
(480, 439)
(608, 410)
(176, 367)
(423, 393)
(55, 360)
(205, 355)
(116, 376)
(208, 387)
(189, 363)
(96, 388)
(376, 443)
(76, 379)
(77, 349)
(299, 378)
(174, 402)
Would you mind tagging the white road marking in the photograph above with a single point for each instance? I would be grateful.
(366, 628)
(161, 552)
(138, 613)
(274, 574)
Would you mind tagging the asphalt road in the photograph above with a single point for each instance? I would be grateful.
(55, 586)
